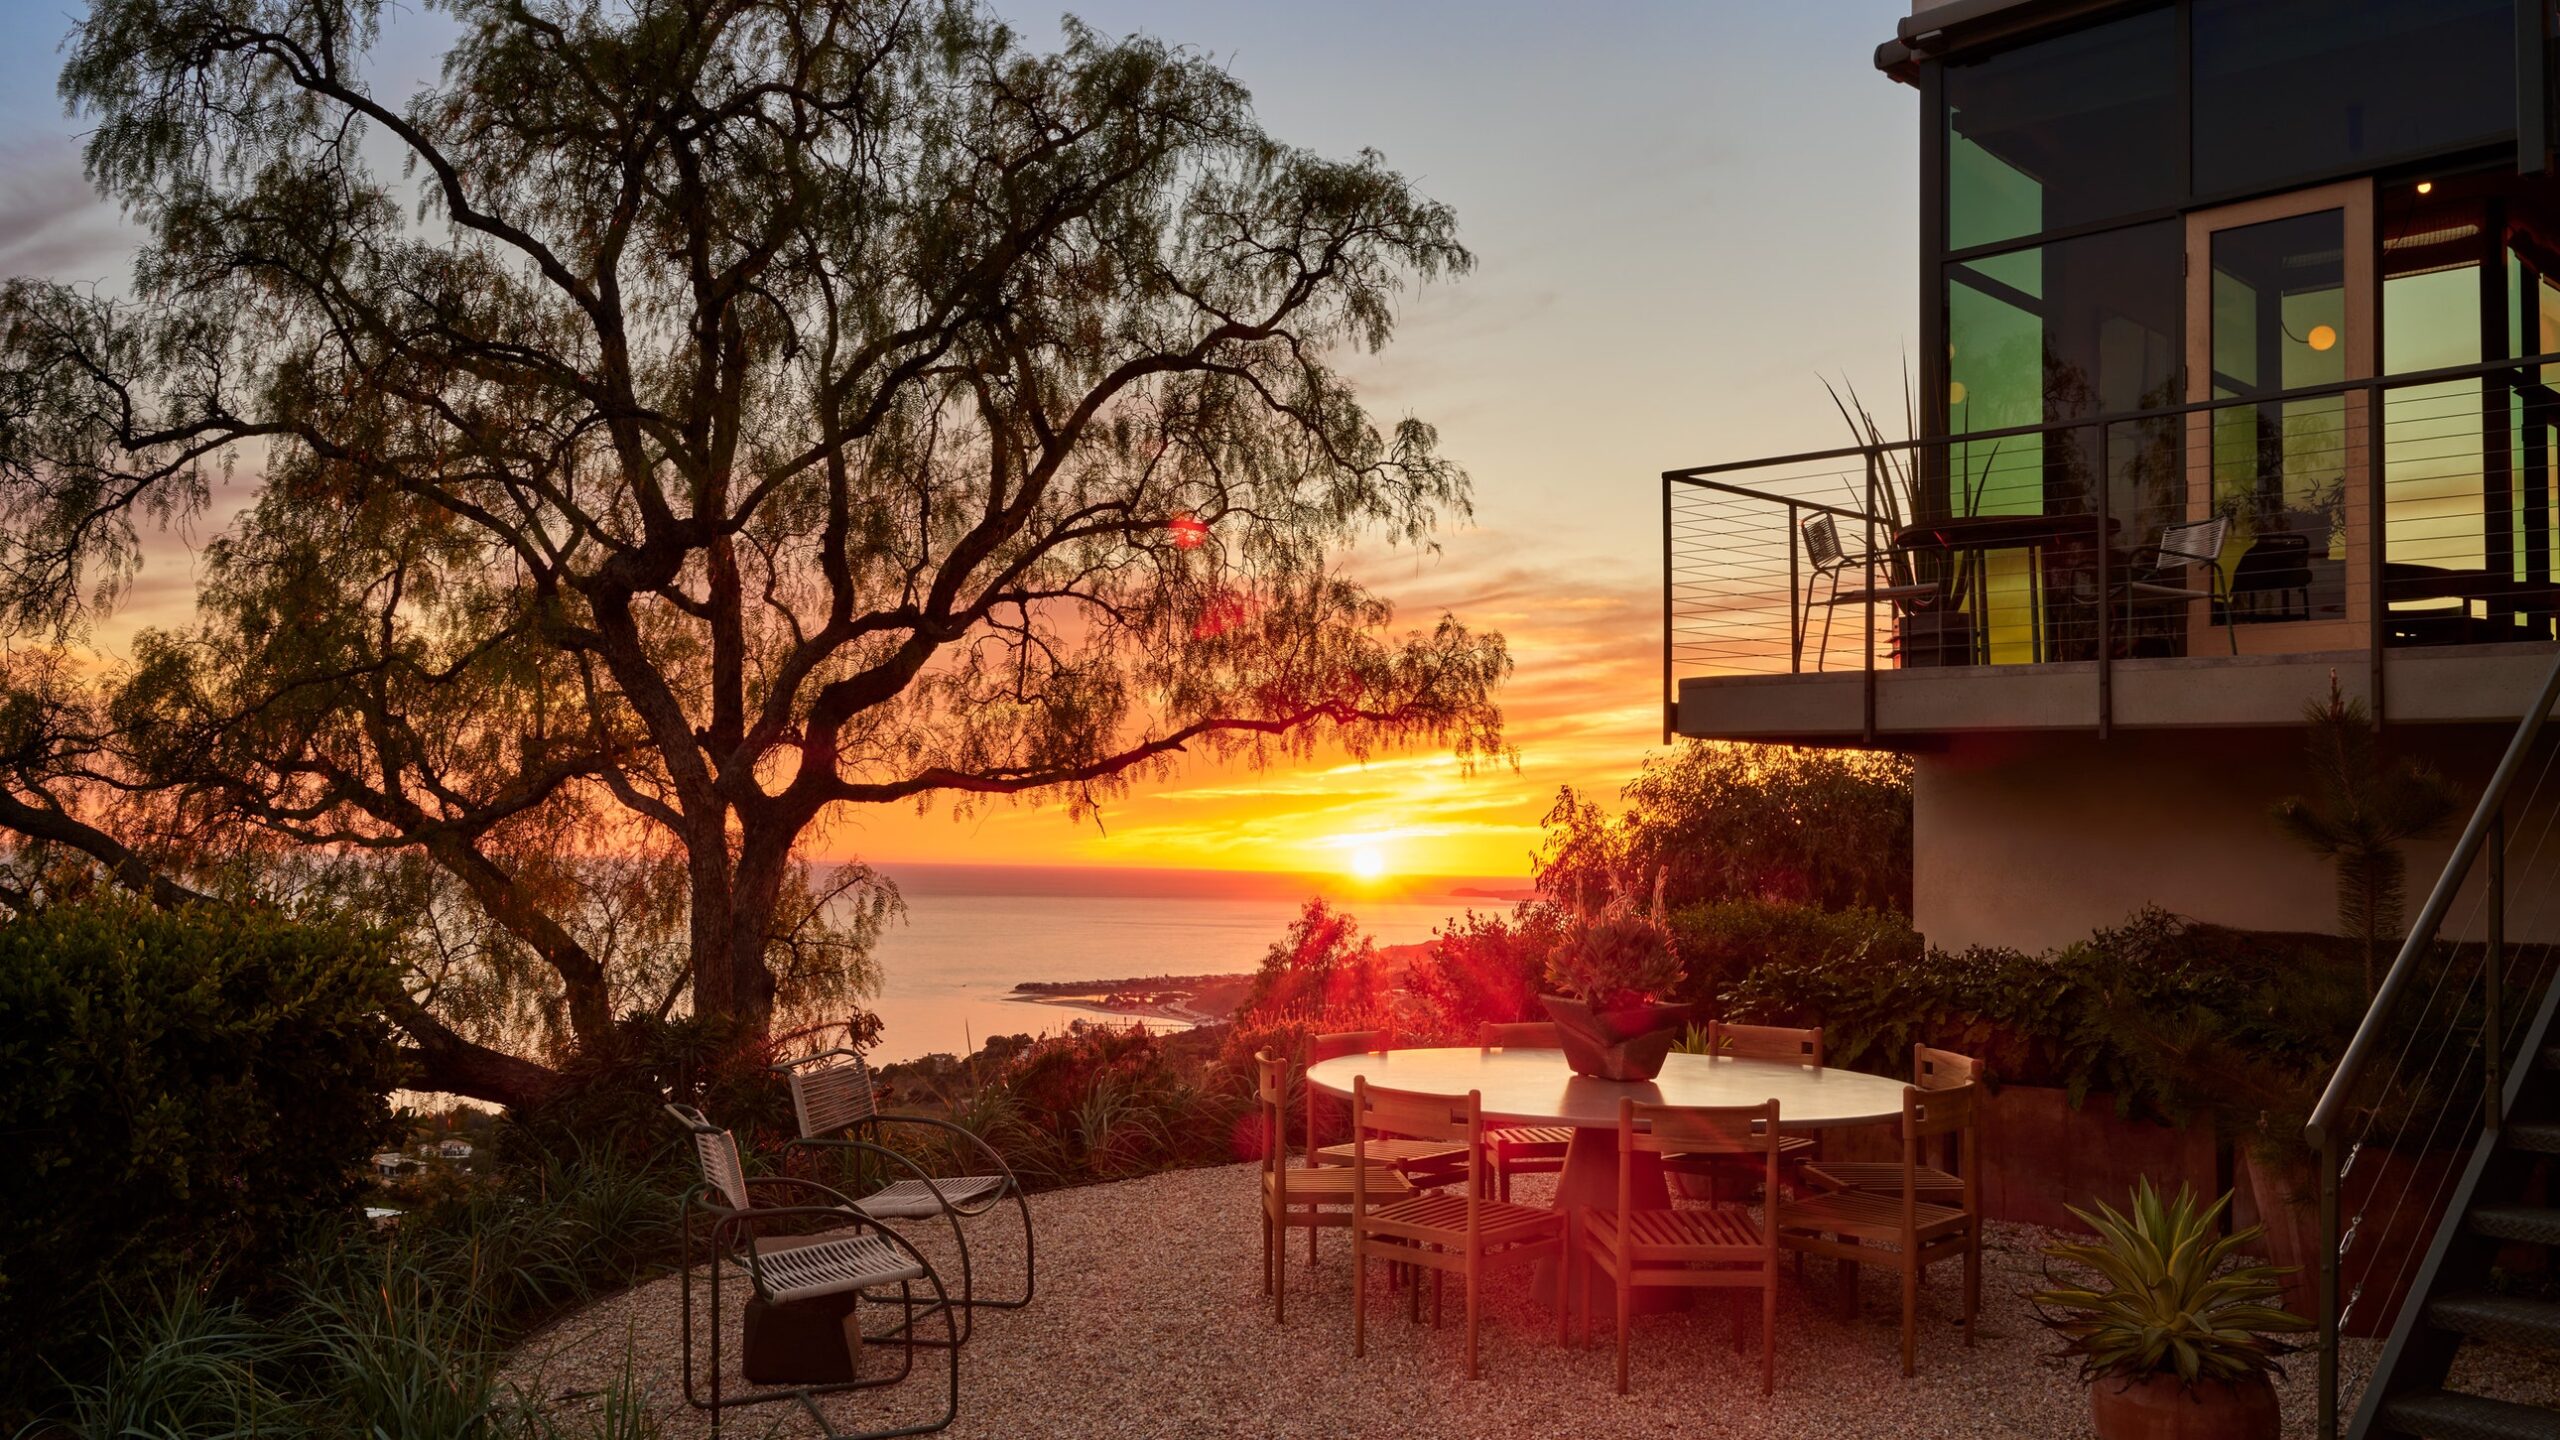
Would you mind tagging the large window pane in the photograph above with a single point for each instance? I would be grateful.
(2064, 131)
(2290, 89)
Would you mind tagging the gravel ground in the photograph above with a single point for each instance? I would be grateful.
(1150, 1322)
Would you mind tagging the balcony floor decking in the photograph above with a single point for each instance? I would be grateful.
(2432, 685)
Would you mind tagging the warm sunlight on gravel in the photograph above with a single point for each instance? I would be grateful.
(1150, 1323)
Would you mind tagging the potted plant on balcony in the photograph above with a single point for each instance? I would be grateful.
(2179, 1342)
(1612, 972)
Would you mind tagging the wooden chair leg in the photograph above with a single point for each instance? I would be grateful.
(1564, 1284)
(1436, 1277)
(1848, 1284)
(1733, 1307)
(1624, 1307)
(1972, 1282)
(1474, 1262)
(1910, 1309)
(1280, 1275)
(1359, 1296)
(1266, 1250)
(1769, 1329)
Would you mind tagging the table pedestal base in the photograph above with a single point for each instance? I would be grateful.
(1590, 1181)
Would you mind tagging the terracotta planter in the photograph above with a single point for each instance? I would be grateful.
(2157, 1407)
(1615, 1044)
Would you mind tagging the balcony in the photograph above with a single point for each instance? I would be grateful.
(2203, 564)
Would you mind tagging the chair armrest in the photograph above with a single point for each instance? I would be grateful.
(800, 1183)
(882, 1151)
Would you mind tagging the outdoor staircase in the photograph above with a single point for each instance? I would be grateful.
(2503, 1201)
(2463, 1018)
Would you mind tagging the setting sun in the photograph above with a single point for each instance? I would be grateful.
(1368, 862)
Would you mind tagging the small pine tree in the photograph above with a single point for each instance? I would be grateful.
(2361, 809)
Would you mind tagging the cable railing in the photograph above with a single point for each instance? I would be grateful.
(2241, 523)
(2439, 1059)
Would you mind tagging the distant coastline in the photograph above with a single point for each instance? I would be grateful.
(1193, 1000)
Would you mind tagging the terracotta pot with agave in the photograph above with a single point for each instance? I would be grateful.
(2180, 1341)
(1611, 973)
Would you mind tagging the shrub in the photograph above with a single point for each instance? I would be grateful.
(613, 1092)
(1484, 969)
(182, 1089)
(1712, 821)
(1323, 963)
(1725, 940)
(1621, 957)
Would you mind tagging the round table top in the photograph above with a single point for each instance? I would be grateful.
(1525, 1086)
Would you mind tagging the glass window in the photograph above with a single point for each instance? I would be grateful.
(2065, 330)
(2064, 131)
(2292, 89)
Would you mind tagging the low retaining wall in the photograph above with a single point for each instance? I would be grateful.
(2041, 1154)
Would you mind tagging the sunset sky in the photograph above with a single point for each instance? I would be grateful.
(1685, 215)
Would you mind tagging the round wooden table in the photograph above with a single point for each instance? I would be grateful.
(1535, 1087)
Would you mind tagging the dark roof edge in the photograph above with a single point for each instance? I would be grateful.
(1962, 24)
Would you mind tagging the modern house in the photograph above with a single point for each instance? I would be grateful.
(2240, 334)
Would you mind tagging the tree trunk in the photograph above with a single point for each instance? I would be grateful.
(449, 1064)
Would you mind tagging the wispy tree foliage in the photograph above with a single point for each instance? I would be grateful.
(729, 415)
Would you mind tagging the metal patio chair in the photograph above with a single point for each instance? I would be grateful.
(1523, 1149)
(2164, 576)
(858, 1256)
(837, 1108)
(1823, 551)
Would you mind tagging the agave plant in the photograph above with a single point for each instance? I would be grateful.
(2178, 1300)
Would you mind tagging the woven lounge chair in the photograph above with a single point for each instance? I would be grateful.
(857, 1256)
(837, 1107)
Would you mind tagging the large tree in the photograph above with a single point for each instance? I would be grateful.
(679, 425)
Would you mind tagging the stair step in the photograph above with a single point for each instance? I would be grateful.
(2506, 1319)
(2444, 1415)
(2537, 1135)
(2531, 1224)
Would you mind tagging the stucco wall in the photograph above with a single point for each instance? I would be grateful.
(2033, 841)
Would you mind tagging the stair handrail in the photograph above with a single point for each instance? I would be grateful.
(2430, 919)
(2321, 1131)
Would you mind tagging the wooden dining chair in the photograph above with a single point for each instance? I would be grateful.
(1523, 1149)
(1845, 1224)
(1463, 1234)
(1939, 1180)
(1721, 1246)
(1778, 1044)
(1425, 1163)
(1311, 1198)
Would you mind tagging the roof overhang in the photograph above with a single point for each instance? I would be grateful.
(1953, 26)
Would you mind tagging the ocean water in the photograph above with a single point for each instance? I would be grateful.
(974, 932)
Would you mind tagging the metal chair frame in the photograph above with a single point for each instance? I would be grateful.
(2183, 544)
(867, 1117)
(1830, 560)
(732, 1239)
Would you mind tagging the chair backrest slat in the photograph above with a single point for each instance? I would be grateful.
(832, 1097)
(1270, 1093)
(1822, 542)
(1328, 1047)
(717, 1150)
(1927, 1113)
(1526, 1035)
(1705, 1129)
(2195, 542)
(1935, 1069)
(1782, 1043)
(1412, 1114)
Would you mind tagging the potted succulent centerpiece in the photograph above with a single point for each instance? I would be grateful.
(2179, 1342)
(1612, 972)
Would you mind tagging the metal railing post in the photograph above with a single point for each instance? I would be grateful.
(1797, 615)
(2493, 1037)
(1670, 687)
(1870, 681)
(2377, 610)
(2328, 1288)
(2106, 640)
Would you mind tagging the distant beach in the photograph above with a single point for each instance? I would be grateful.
(999, 950)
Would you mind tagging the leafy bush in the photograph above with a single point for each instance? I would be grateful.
(613, 1093)
(1714, 821)
(1724, 940)
(1323, 963)
(183, 1089)
(1620, 957)
(1484, 969)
